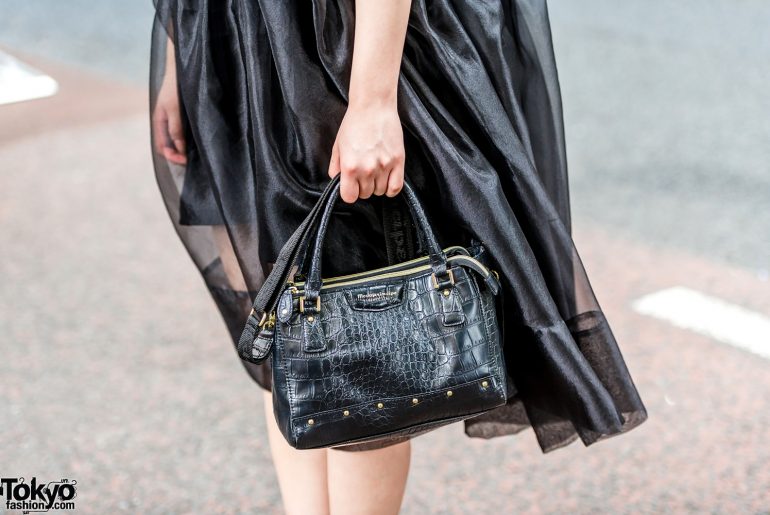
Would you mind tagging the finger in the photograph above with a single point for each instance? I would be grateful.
(365, 187)
(366, 179)
(334, 162)
(159, 127)
(381, 182)
(161, 130)
(176, 132)
(348, 188)
(395, 180)
(172, 155)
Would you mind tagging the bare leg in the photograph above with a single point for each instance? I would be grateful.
(301, 474)
(227, 255)
(368, 482)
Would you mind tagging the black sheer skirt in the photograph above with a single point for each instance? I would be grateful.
(261, 86)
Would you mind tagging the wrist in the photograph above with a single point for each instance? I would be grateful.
(360, 98)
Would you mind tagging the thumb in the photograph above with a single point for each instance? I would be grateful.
(334, 162)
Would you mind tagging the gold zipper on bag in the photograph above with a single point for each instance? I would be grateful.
(376, 271)
(296, 289)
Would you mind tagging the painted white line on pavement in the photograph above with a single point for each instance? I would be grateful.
(710, 316)
(19, 82)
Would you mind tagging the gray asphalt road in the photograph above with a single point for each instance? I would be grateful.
(668, 121)
(111, 37)
(667, 107)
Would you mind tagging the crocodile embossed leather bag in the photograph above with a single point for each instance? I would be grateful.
(398, 350)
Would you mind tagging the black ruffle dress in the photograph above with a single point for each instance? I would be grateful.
(262, 88)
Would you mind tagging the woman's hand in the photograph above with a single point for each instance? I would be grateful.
(369, 153)
(168, 133)
(369, 149)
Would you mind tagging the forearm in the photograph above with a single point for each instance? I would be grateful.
(377, 49)
(170, 66)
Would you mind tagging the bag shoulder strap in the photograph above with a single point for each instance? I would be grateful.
(267, 296)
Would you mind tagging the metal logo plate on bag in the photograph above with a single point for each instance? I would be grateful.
(376, 297)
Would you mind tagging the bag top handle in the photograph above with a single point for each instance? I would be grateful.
(437, 256)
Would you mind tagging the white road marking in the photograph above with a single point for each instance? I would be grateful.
(710, 316)
(19, 82)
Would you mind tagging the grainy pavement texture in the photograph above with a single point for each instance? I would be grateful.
(116, 370)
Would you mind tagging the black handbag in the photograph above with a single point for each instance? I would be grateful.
(394, 351)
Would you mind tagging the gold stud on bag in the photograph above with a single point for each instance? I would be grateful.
(407, 348)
